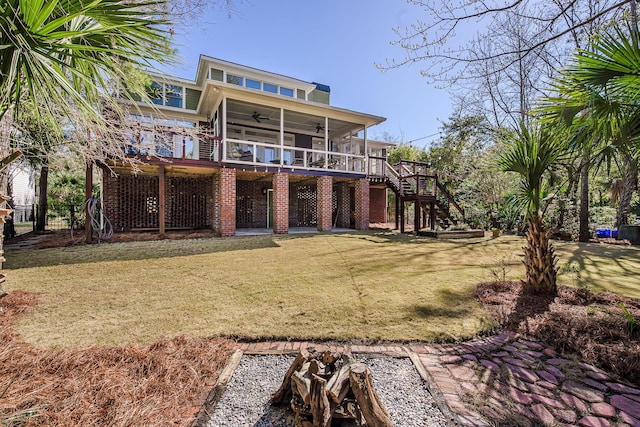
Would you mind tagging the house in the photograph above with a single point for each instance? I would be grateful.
(240, 148)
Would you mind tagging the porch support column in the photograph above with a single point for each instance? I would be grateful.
(344, 207)
(161, 201)
(227, 202)
(362, 204)
(397, 199)
(280, 203)
(416, 218)
(88, 192)
(325, 203)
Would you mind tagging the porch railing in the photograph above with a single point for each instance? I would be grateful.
(257, 153)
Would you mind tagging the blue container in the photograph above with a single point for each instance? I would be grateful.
(614, 233)
(603, 232)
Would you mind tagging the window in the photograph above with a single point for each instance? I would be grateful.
(217, 74)
(156, 93)
(268, 87)
(286, 91)
(173, 96)
(253, 84)
(301, 94)
(234, 80)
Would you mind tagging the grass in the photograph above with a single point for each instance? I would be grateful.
(358, 286)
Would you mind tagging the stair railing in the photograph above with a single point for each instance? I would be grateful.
(448, 202)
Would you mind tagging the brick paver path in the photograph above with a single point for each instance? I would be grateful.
(517, 380)
(509, 378)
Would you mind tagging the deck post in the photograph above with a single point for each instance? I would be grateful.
(88, 192)
(416, 218)
(161, 201)
(397, 210)
(432, 216)
(401, 216)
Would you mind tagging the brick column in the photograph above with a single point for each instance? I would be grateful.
(325, 203)
(227, 202)
(362, 204)
(344, 207)
(280, 203)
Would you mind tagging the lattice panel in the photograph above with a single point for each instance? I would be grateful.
(189, 202)
(244, 204)
(138, 202)
(307, 206)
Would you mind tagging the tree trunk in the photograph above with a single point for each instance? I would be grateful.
(43, 208)
(584, 233)
(629, 185)
(539, 259)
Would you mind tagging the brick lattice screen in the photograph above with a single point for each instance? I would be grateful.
(189, 202)
(303, 210)
(133, 202)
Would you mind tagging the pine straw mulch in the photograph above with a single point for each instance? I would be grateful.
(159, 384)
(590, 325)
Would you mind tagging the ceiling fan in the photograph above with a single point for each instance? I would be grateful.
(319, 128)
(258, 117)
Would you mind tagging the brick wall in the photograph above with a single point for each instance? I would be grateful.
(325, 203)
(280, 203)
(362, 204)
(378, 205)
(227, 202)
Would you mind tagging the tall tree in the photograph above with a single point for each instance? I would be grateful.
(598, 95)
(531, 152)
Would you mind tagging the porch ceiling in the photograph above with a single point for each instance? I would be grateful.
(266, 117)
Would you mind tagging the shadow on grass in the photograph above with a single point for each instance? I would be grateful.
(425, 311)
(132, 251)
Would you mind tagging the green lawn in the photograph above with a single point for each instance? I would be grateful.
(364, 286)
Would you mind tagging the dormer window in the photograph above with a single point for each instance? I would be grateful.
(235, 80)
(285, 91)
(254, 84)
(268, 87)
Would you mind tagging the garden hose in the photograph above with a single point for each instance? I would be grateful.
(99, 222)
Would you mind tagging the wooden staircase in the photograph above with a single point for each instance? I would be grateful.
(414, 183)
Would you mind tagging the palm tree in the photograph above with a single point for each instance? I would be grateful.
(599, 98)
(70, 52)
(531, 152)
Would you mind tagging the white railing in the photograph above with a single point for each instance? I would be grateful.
(257, 153)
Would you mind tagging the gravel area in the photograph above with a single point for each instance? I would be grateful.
(246, 399)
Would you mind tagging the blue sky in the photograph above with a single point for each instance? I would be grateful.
(335, 42)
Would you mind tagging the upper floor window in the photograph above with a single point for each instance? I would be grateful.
(234, 80)
(167, 94)
(268, 87)
(253, 84)
(173, 95)
(286, 91)
(156, 94)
